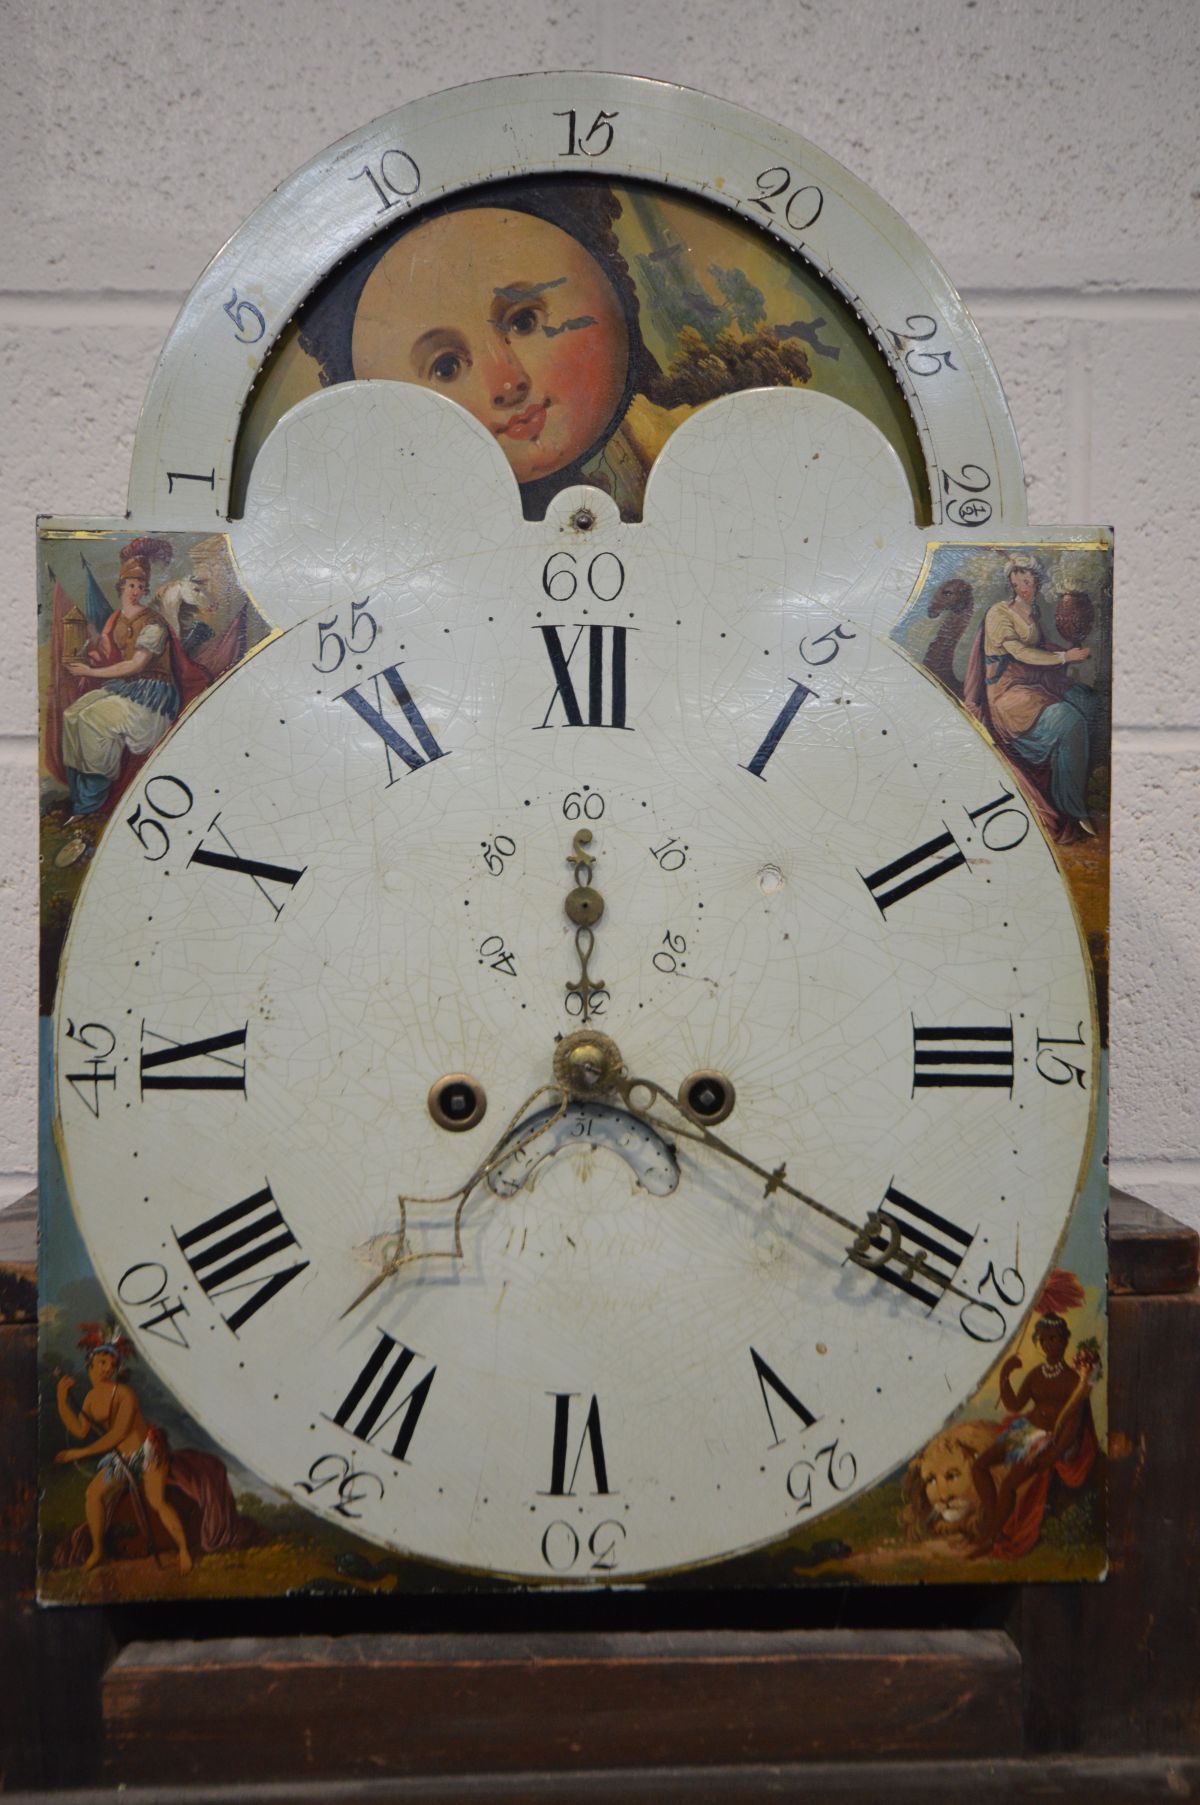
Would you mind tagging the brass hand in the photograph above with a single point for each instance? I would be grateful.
(396, 1250)
(584, 905)
(875, 1243)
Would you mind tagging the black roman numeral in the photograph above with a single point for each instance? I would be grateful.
(891, 883)
(605, 677)
(368, 1408)
(768, 1377)
(235, 1242)
(560, 1486)
(259, 871)
(911, 1247)
(414, 758)
(232, 1076)
(777, 729)
(958, 1057)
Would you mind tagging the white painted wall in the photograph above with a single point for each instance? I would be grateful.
(1045, 150)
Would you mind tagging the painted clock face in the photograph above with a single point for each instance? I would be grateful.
(597, 1334)
(574, 1056)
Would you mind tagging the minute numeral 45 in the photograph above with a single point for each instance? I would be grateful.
(414, 758)
(98, 1066)
(207, 1068)
(935, 858)
(229, 1252)
(371, 1405)
(912, 1247)
(952, 1058)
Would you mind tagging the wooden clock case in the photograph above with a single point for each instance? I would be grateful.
(1059, 1691)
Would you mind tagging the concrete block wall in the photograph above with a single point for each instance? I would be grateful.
(1045, 150)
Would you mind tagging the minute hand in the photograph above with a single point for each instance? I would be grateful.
(862, 1250)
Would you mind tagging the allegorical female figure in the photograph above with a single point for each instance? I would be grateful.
(138, 678)
(1018, 687)
(519, 305)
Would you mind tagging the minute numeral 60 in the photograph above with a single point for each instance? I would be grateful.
(604, 576)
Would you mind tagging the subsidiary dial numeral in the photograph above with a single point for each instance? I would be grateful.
(230, 1251)
(414, 758)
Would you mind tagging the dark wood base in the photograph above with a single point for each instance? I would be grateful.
(1061, 1692)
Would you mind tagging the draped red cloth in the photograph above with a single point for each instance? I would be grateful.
(1023, 1527)
(198, 1487)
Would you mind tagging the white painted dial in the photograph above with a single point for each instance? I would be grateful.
(334, 886)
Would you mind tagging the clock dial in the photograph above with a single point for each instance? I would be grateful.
(353, 893)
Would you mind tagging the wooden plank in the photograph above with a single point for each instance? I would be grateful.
(1118, 1666)
(303, 1707)
(1149, 1252)
(1111, 1780)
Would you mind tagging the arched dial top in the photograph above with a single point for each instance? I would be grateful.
(581, 123)
(343, 877)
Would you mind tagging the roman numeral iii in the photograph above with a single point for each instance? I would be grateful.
(948, 1058)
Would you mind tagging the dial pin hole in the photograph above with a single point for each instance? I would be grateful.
(707, 1097)
(457, 1102)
